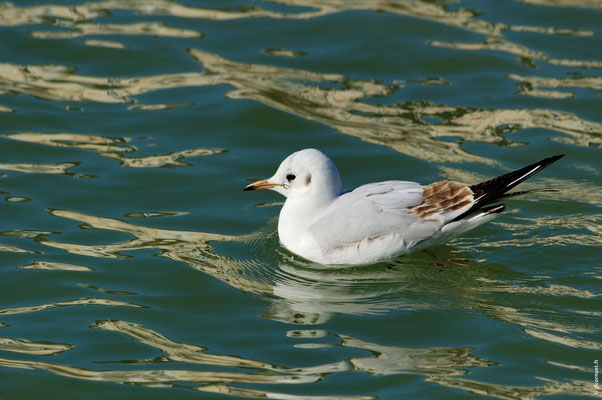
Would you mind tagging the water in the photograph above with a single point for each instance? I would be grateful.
(132, 264)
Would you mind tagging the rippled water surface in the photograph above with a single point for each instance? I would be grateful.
(132, 264)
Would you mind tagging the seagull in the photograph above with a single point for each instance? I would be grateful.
(378, 221)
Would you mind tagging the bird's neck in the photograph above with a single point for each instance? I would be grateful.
(305, 209)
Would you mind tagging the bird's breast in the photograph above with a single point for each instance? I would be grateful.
(293, 229)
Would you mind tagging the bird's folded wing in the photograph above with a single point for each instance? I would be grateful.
(369, 212)
(411, 211)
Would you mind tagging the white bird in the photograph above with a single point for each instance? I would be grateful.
(377, 221)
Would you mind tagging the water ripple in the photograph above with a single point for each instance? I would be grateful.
(524, 54)
(66, 303)
(403, 127)
(539, 86)
(141, 28)
(304, 293)
(62, 168)
(55, 266)
(444, 366)
(110, 147)
(76, 17)
(34, 348)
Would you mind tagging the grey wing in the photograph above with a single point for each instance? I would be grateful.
(372, 211)
(412, 211)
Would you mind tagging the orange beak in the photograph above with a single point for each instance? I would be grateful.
(262, 184)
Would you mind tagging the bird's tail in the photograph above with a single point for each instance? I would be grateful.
(497, 188)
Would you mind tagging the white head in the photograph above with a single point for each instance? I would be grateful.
(307, 173)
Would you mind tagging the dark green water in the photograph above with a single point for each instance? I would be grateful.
(132, 264)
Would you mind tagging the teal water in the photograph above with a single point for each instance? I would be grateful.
(132, 264)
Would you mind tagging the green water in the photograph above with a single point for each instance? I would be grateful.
(132, 264)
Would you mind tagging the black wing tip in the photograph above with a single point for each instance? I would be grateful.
(546, 162)
(494, 189)
(543, 163)
(508, 181)
(552, 159)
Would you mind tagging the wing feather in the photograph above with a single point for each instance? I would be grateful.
(443, 201)
(401, 213)
(370, 212)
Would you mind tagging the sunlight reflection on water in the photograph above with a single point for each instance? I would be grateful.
(394, 126)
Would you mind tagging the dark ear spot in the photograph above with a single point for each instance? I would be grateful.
(308, 179)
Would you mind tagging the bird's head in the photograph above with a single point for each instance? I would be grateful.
(307, 173)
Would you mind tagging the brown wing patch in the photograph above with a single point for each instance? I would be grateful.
(442, 197)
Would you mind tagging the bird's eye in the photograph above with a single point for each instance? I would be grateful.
(290, 177)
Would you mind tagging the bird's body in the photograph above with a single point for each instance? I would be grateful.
(376, 221)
